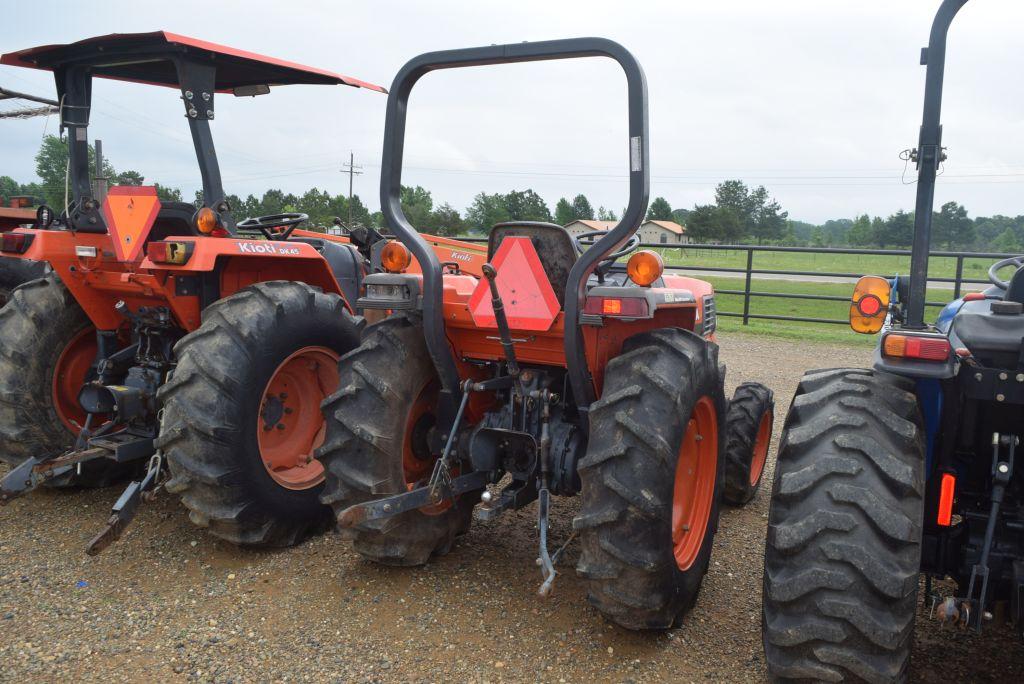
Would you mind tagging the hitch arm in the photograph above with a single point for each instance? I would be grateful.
(390, 506)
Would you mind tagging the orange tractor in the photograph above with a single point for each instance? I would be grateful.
(171, 341)
(560, 371)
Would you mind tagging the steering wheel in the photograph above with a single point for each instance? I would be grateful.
(993, 271)
(585, 241)
(274, 226)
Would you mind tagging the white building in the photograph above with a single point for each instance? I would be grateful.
(657, 232)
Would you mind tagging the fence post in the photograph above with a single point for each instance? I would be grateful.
(959, 276)
(746, 289)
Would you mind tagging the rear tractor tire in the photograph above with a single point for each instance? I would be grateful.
(377, 424)
(748, 436)
(652, 479)
(47, 351)
(241, 413)
(843, 548)
(15, 272)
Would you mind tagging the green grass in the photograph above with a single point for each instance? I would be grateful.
(938, 267)
(810, 308)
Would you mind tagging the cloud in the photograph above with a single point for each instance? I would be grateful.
(812, 99)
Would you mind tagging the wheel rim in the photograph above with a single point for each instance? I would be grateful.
(764, 437)
(291, 426)
(72, 370)
(417, 461)
(694, 490)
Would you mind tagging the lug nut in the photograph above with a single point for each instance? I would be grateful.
(486, 497)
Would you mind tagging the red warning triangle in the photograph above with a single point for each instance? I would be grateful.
(130, 211)
(530, 303)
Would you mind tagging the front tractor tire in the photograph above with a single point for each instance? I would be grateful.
(748, 435)
(241, 413)
(652, 479)
(844, 530)
(47, 350)
(376, 445)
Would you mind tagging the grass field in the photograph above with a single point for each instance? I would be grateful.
(939, 267)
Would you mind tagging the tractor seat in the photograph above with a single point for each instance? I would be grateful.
(174, 218)
(1015, 292)
(996, 339)
(554, 246)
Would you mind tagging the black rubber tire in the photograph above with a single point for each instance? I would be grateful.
(750, 403)
(15, 272)
(628, 475)
(844, 530)
(366, 424)
(37, 324)
(211, 410)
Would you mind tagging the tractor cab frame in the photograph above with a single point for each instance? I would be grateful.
(199, 69)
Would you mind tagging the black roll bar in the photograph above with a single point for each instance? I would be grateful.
(929, 156)
(391, 184)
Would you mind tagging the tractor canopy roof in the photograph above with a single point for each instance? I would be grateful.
(148, 58)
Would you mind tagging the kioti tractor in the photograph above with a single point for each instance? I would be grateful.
(560, 371)
(169, 338)
(904, 469)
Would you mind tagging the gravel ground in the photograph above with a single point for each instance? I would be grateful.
(169, 603)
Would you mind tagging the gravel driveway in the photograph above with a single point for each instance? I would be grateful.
(169, 603)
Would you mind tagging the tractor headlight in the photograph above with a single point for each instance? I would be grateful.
(391, 292)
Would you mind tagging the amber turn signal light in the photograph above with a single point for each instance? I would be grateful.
(869, 304)
(395, 257)
(645, 267)
(207, 221)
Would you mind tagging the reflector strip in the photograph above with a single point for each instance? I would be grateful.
(948, 486)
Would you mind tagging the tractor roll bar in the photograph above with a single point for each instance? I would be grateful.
(391, 184)
(929, 156)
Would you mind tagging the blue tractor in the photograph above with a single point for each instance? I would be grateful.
(902, 470)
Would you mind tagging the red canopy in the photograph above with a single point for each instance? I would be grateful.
(142, 57)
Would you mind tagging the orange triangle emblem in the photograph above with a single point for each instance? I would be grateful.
(130, 211)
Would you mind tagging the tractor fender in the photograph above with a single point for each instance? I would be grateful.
(241, 262)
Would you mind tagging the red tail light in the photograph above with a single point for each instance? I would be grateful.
(916, 347)
(946, 491)
(16, 243)
(164, 252)
(617, 307)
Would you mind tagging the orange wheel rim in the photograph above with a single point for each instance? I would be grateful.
(69, 375)
(291, 426)
(694, 490)
(417, 459)
(764, 437)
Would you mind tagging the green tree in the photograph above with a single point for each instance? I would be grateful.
(606, 214)
(899, 229)
(818, 237)
(128, 178)
(860, 234)
(526, 205)
(52, 168)
(564, 213)
(659, 210)
(582, 208)
(417, 205)
(1007, 242)
(486, 211)
(702, 226)
(445, 220)
(951, 226)
(167, 194)
(681, 216)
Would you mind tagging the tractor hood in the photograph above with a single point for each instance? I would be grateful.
(146, 58)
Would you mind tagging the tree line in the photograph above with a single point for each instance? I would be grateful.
(739, 213)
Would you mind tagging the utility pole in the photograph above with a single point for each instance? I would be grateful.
(353, 170)
(100, 189)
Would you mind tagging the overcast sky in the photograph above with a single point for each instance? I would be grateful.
(813, 99)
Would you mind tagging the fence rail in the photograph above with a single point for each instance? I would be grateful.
(748, 273)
